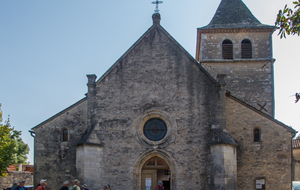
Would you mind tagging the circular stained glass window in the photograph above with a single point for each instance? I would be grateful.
(155, 129)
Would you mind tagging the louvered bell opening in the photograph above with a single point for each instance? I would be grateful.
(246, 49)
(227, 49)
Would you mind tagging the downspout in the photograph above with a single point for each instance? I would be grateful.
(32, 133)
(293, 160)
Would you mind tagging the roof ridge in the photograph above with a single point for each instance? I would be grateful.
(171, 38)
(126, 53)
(61, 112)
(190, 56)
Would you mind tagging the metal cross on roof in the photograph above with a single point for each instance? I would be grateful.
(157, 2)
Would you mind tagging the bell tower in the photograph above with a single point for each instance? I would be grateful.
(237, 44)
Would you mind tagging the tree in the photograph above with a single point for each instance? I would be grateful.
(20, 157)
(288, 20)
(12, 149)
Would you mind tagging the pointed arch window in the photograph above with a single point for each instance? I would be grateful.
(65, 135)
(246, 47)
(227, 49)
(256, 135)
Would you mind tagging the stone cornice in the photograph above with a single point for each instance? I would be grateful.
(236, 60)
(237, 30)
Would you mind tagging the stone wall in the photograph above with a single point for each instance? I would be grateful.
(296, 153)
(88, 160)
(55, 160)
(156, 79)
(270, 158)
(14, 177)
(251, 80)
(224, 166)
(248, 80)
(211, 44)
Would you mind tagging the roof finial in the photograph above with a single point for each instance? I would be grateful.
(157, 2)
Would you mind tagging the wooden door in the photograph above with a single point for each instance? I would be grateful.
(147, 175)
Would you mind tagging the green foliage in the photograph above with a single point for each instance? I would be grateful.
(288, 20)
(12, 149)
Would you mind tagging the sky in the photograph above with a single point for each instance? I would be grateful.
(48, 47)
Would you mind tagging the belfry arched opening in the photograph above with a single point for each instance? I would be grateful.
(154, 170)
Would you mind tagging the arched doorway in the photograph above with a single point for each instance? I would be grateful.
(155, 169)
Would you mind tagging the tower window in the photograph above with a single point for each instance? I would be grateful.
(246, 49)
(227, 49)
(256, 135)
(65, 135)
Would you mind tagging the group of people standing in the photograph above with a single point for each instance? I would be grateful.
(21, 186)
(75, 185)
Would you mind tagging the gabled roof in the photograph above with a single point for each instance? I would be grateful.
(289, 129)
(155, 28)
(60, 113)
(156, 25)
(234, 14)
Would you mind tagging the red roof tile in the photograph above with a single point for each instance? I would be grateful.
(296, 143)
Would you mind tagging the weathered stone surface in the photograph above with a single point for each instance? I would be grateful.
(296, 154)
(270, 158)
(55, 160)
(14, 177)
(154, 76)
(224, 166)
(251, 80)
(157, 78)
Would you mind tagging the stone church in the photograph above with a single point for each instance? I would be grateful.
(160, 114)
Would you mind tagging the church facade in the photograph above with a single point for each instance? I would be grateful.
(159, 114)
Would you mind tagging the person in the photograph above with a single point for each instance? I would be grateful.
(20, 186)
(65, 186)
(43, 184)
(84, 187)
(106, 187)
(72, 184)
(14, 184)
(75, 186)
(160, 186)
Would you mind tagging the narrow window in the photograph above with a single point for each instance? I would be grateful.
(227, 49)
(65, 135)
(256, 134)
(246, 49)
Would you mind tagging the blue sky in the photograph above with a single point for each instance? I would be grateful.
(48, 47)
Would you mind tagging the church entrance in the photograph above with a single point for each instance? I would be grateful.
(155, 170)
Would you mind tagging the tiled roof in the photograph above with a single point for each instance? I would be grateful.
(234, 14)
(296, 143)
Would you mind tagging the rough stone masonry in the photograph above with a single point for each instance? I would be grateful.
(160, 114)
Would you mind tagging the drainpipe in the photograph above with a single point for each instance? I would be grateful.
(293, 160)
(32, 133)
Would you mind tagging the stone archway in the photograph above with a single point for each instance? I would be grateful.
(141, 168)
(155, 170)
